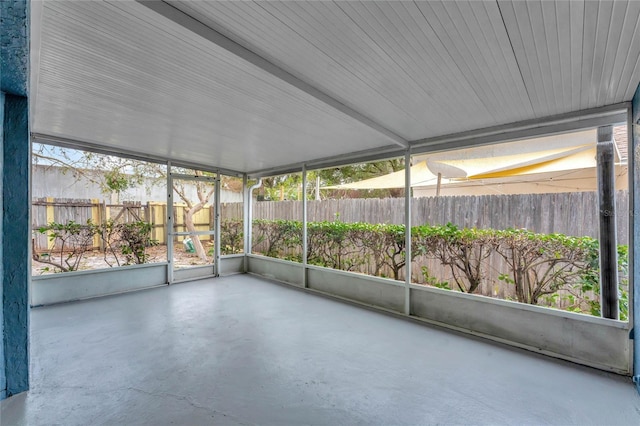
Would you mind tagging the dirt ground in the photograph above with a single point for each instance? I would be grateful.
(96, 260)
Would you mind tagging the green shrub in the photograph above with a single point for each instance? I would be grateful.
(231, 235)
(124, 243)
(540, 269)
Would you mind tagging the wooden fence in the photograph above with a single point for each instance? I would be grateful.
(567, 213)
(63, 210)
(574, 213)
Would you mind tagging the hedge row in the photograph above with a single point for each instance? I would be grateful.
(550, 269)
(539, 268)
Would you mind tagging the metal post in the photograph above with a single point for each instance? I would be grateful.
(407, 224)
(304, 226)
(169, 229)
(438, 184)
(318, 187)
(249, 219)
(245, 223)
(606, 206)
(217, 270)
(634, 225)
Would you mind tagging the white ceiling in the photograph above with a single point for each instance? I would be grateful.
(339, 77)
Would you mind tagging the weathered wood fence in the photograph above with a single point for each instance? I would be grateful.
(567, 213)
(574, 213)
(63, 210)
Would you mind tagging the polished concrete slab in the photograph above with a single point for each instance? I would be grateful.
(240, 350)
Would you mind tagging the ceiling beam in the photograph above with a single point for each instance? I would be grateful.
(74, 143)
(572, 121)
(562, 123)
(373, 154)
(188, 22)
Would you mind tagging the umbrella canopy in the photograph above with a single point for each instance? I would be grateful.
(548, 164)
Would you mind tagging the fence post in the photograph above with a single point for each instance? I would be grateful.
(51, 217)
(147, 217)
(103, 219)
(95, 218)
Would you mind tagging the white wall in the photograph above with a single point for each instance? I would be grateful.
(51, 181)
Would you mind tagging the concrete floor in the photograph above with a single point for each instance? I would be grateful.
(241, 351)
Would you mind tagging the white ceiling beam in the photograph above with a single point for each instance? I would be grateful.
(573, 121)
(374, 154)
(74, 143)
(188, 22)
(562, 123)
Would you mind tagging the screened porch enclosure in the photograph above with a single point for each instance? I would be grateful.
(462, 277)
(192, 142)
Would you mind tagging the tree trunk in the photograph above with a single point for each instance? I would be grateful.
(188, 221)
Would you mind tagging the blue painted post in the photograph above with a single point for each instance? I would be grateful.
(16, 237)
(15, 226)
(634, 162)
(3, 376)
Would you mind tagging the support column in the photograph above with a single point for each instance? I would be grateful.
(246, 245)
(248, 218)
(407, 224)
(15, 203)
(607, 215)
(634, 255)
(169, 227)
(304, 226)
(216, 233)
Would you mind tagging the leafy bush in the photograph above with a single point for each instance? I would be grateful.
(540, 269)
(275, 237)
(124, 243)
(590, 282)
(231, 235)
(463, 251)
(330, 244)
(135, 237)
(542, 264)
(70, 241)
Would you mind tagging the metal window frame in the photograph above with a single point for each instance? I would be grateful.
(170, 219)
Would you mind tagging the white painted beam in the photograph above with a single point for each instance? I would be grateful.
(134, 155)
(577, 120)
(545, 126)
